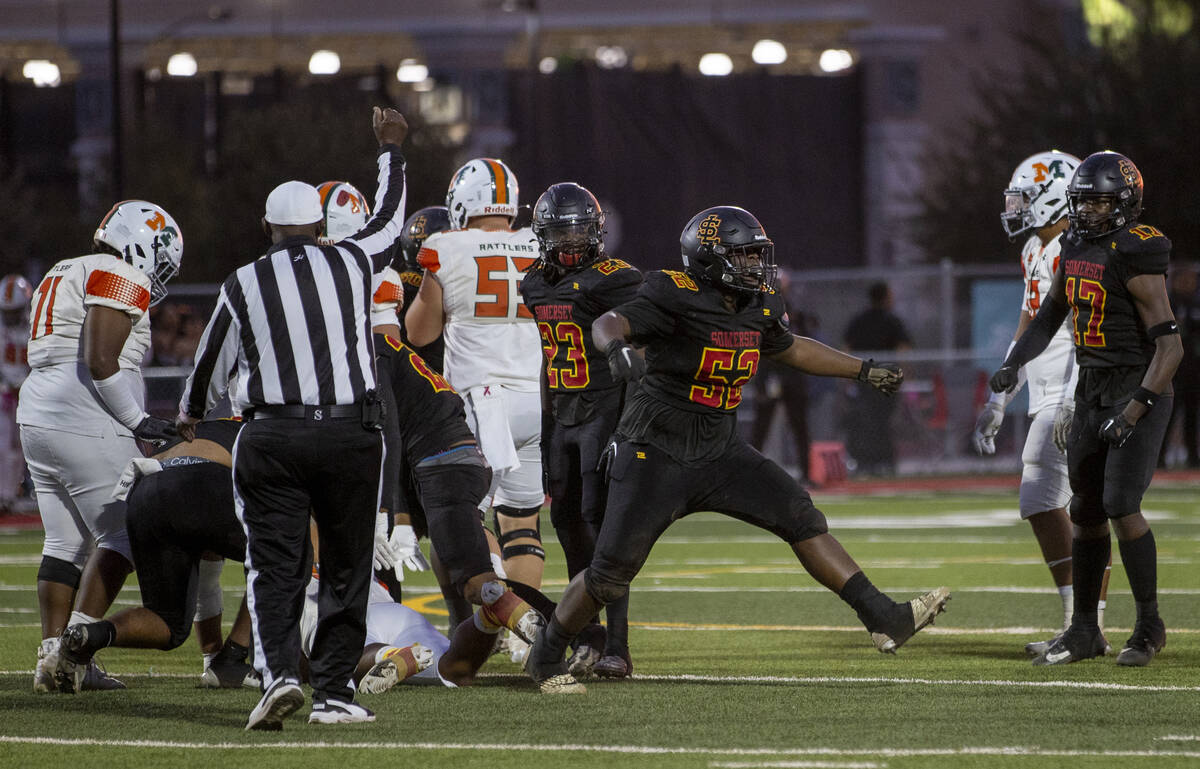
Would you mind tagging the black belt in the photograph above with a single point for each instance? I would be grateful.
(311, 413)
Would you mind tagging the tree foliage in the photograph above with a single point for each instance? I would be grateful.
(1132, 93)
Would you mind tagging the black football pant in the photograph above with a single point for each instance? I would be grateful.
(648, 491)
(283, 470)
(173, 517)
(1108, 482)
(450, 495)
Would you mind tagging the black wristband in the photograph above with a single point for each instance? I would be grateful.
(1145, 397)
(1165, 328)
(865, 371)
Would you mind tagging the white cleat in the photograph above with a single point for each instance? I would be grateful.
(924, 609)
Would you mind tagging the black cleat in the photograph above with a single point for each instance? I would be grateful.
(551, 677)
(1073, 645)
(1149, 637)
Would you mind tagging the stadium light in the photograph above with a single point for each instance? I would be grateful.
(43, 72)
(611, 57)
(715, 64)
(835, 60)
(411, 72)
(181, 65)
(769, 52)
(324, 63)
(548, 65)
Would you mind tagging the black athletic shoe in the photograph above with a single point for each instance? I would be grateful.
(73, 658)
(1073, 645)
(1149, 637)
(551, 677)
(614, 665)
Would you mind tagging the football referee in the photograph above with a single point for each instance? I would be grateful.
(292, 330)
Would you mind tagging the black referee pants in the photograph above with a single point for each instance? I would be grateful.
(283, 470)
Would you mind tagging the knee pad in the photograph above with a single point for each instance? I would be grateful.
(602, 588)
(509, 551)
(59, 571)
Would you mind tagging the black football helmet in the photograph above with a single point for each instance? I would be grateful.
(569, 225)
(728, 248)
(1104, 175)
(417, 228)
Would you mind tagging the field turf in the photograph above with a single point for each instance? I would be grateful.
(741, 661)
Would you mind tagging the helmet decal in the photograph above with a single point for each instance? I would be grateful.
(709, 230)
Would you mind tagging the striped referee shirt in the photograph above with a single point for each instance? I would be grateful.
(294, 325)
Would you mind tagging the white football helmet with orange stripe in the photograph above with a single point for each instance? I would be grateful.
(14, 293)
(483, 187)
(147, 237)
(345, 208)
(1037, 194)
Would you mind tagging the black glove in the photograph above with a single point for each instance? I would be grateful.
(884, 377)
(155, 430)
(1116, 430)
(624, 362)
(1004, 380)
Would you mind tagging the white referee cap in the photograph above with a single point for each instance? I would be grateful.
(294, 203)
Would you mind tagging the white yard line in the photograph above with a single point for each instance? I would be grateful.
(1012, 750)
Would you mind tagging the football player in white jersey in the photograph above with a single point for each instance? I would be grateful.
(1036, 203)
(82, 407)
(14, 367)
(493, 358)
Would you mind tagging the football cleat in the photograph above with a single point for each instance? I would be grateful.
(277, 703)
(1149, 637)
(614, 666)
(583, 660)
(95, 679)
(73, 659)
(1037, 648)
(397, 665)
(339, 712)
(229, 674)
(551, 677)
(924, 609)
(1073, 645)
(47, 661)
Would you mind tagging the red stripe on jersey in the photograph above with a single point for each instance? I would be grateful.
(109, 285)
(428, 258)
(395, 344)
(388, 292)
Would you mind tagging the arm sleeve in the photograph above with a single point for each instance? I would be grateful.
(376, 239)
(216, 359)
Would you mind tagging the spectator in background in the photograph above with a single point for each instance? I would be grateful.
(1185, 302)
(165, 318)
(867, 421)
(15, 293)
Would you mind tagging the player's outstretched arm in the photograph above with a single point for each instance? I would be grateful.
(813, 357)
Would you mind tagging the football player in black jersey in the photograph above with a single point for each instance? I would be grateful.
(417, 228)
(677, 449)
(1111, 276)
(572, 283)
(431, 450)
(180, 506)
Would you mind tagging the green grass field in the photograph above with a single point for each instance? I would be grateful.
(741, 661)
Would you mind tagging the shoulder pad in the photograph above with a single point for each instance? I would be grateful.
(609, 266)
(1141, 239)
(664, 279)
(1145, 248)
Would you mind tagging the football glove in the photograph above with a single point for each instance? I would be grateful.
(385, 556)
(624, 362)
(403, 544)
(1062, 424)
(986, 427)
(884, 377)
(1004, 380)
(1116, 430)
(155, 430)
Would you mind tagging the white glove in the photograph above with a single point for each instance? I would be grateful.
(986, 427)
(404, 545)
(1062, 424)
(385, 556)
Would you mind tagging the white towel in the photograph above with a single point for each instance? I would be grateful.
(492, 431)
